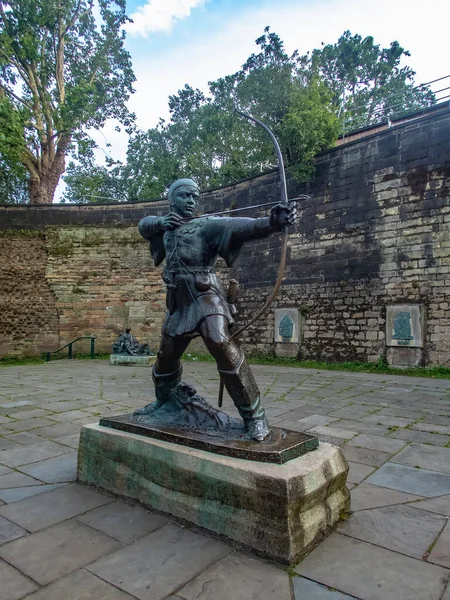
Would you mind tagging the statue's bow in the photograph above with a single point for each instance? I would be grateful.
(284, 201)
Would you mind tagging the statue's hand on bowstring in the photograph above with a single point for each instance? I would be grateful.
(282, 216)
(170, 221)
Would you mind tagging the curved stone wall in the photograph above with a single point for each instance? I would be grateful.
(375, 234)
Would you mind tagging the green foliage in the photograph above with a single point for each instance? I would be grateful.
(17, 361)
(90, 183)
(302, 99)
(62, 71)
(366, 81)
(207, 140)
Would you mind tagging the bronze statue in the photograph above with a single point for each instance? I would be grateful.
(127, 344)
(196, 303)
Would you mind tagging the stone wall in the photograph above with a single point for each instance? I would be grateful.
(374, 233)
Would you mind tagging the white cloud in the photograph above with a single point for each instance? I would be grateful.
(218, 52)
(160, 15)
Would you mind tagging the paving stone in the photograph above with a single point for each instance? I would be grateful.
(304, 589)
(51, 507)
(9, 531)
(32, 453)
(54, 470)
(408, 479)
(362, 427)
(372, 573)
(446, 595)
(365, 456)
(351, 412)
(7, 444)
(432, 419)
(123, 522)
(160, 563)
(71, 415)
(72, 441)
(444, 429)
(79, 585)
(57, 551)
(29, 424)
(16, 403)
(239, 576)
(28, 414)
(20, 493)
(56, 431)
(5, 470)
(287, 424)
(62, 406)
(421, 437)
(358, 472)
(375, 442)
(425, 457)
(439, 505)
(388, 420)
(333, 432)
(25, 438)
(13, 584)
(317, 420)
(15, 479)
(366, 496)
(400, 528)
(440, 553)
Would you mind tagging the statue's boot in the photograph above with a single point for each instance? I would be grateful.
(164, 384)
(244, 392)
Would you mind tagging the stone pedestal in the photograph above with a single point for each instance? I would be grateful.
(132, 361)
(279, 510)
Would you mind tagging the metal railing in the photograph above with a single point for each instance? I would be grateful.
(70, 350)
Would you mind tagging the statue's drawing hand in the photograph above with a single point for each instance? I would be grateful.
(170, 221)
(282, 215)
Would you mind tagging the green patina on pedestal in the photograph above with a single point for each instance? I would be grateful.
(279, 510)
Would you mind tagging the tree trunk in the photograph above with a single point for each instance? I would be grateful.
(42, 189)
(42, 186)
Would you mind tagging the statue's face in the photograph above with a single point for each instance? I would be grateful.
(185, 200)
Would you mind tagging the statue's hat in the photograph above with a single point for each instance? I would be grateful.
(179, 183)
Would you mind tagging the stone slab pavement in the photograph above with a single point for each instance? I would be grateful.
(62, 541)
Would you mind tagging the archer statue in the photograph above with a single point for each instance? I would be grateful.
(196, 303)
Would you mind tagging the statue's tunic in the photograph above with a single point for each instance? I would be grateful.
(191, 250)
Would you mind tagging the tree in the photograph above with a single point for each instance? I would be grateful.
(207, 140)
(13, 185)
(91, 183)
(366, 81)
(62, 71)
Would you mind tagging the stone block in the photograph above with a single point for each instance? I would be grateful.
(280, 511)
(131, 361)
(287, 349)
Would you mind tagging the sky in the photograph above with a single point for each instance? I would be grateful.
(174, 42)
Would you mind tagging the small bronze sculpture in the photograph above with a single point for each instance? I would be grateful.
(197, 305)
(127, 344)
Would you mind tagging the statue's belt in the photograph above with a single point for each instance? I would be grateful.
(188, 270)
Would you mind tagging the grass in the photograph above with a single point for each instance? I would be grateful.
(379, 367)
(18, 361)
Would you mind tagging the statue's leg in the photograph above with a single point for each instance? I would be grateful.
(236, 375)
(166, 372)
